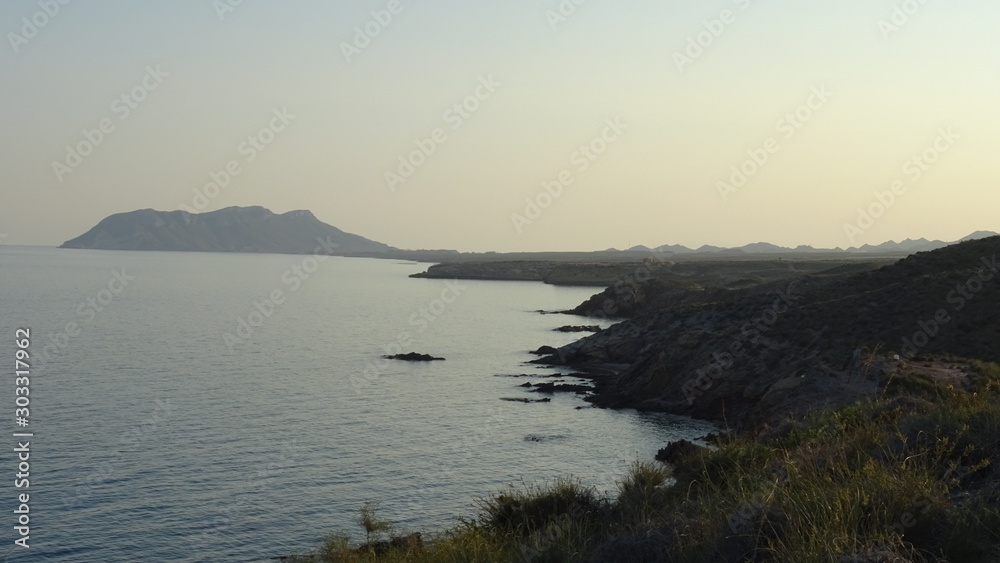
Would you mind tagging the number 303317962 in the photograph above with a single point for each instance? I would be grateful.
(22, 372)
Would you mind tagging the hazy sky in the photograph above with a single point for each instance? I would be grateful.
(665, 97)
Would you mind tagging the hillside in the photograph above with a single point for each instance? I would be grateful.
(757, 354)
(903, 465)
(233, 229)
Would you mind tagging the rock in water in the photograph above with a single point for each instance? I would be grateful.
(413, 357)
(587, 328)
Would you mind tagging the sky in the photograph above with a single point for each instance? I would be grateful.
(509, 126)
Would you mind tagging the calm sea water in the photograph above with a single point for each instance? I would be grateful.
(160, 438)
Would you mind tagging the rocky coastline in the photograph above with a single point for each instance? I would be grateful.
(860, 412)
(751, 355)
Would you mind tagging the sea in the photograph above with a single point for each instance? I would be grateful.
(236, 407)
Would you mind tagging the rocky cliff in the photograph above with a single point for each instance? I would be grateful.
(756, 354)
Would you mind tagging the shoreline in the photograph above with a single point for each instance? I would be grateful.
(834, 446)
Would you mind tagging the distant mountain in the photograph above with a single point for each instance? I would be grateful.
(980, 235)
(762, 248)
(233, 229)
(908, 246)
(675, 248)
(256, 229)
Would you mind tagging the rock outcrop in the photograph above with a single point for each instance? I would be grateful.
(753, 355)
(413, 357)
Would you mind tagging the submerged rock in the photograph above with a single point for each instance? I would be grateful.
(516, 400)
(543, 437)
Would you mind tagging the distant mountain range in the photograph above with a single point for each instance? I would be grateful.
(233, 229)
(256, 229)
(908, 246)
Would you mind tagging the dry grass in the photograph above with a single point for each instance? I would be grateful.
(912, 476)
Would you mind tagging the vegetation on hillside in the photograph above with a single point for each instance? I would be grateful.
(862, 441)
(910, 476)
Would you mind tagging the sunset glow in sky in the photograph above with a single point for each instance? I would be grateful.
(509, 126)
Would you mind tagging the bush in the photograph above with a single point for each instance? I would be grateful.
(529, 509)
(911, 477)
(644, 492)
